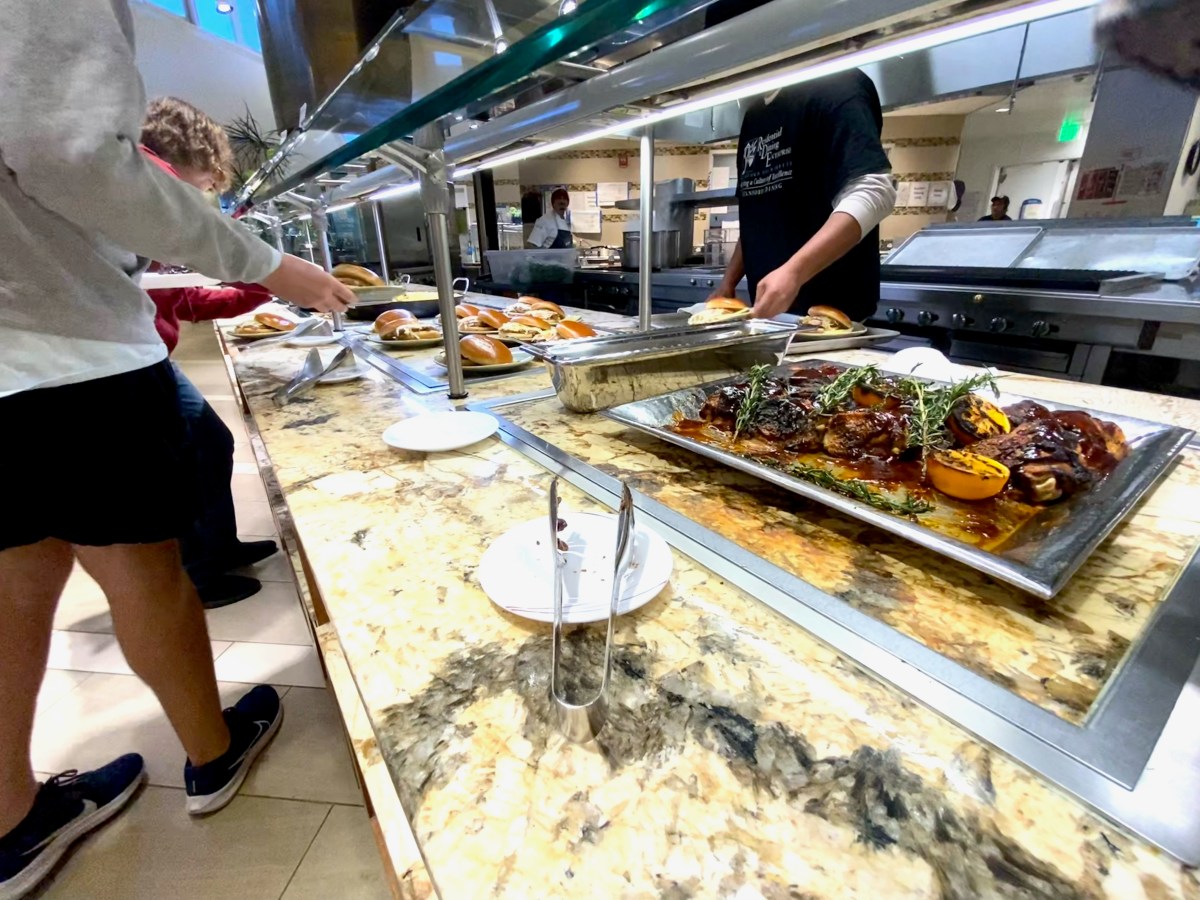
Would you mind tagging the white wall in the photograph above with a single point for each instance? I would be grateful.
(1028, 134)
(178, 59)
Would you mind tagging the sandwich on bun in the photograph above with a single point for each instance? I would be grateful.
(486, 321)
(412, 331)
(544, 309)
(526, 328)
(481, 350)
(570, 329)
(356, 276)
(521, 307)
(392, 319)
(720, 309)
(264, 323)
(466, 309)
(826, 318)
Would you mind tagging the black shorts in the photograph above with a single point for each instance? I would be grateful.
(96, 463)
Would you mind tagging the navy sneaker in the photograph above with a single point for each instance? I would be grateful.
(252, 721)
(66, 808)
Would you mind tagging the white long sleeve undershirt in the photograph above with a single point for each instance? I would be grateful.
(869, 198)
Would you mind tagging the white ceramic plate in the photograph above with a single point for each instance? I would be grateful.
(441, 431)
(520, 358)
(404, 345)
(516, 570)
(345, 372)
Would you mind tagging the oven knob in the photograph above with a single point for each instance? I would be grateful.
(925, 317)
(692, 282)
(999, 323)
(628, 292)
(961, 320)
(1041, 328)
(894, 314)
(709, 283)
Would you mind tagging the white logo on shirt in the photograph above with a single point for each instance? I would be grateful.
(766, 164)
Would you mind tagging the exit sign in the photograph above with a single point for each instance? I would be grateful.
(1070, 128)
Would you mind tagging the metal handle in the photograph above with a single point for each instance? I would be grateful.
(466, 283)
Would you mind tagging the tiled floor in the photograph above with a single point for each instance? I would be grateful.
(298, 829)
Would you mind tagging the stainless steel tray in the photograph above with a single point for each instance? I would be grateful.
(596, 373)
(1039, 558)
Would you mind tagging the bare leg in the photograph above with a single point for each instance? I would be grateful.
(159, 623)
(31, 579)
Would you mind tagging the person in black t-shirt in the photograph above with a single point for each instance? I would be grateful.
(999, 211)
(813, 185)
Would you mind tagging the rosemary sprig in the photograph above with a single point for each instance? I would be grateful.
(854, 488)
(747, 412)
(839, 390)
(927, 406)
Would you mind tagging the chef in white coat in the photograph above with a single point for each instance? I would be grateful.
(551, 231)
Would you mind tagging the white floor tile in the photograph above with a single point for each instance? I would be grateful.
(83, 652)
(244, 468)
(56, 684)
(271, 663)
(310, 757)
(272, 616)
(273, 568)
(254, 516)
(342, 862)
(108, 715)
(242, 452)
(83, 606)
(248, 487)
(154, 850)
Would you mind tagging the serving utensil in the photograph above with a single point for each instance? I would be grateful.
(306, 377)
(581, 722)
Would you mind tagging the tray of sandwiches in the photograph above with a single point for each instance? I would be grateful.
(1021, 490)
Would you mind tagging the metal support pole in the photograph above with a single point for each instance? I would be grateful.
(380, 241)
(435, 195)
(645, 264)
(321, 223)
(276, 227)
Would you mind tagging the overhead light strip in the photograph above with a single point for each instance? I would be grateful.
(935, 37)
(396, 191)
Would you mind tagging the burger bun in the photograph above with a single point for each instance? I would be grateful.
(834, 317)
(481, 350)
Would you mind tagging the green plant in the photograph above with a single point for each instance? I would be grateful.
(748, 411)
(253, 147)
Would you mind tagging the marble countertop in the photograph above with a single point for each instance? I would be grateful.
(742, 758)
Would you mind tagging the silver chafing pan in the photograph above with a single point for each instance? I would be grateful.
(1040, 557)
(596, 373)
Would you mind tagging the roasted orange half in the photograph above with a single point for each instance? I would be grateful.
(966, 476)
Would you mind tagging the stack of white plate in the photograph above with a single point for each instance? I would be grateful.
(517, 569)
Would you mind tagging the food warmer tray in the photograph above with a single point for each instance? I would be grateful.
(1042, 554)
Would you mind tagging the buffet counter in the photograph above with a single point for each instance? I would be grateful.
(742, 757)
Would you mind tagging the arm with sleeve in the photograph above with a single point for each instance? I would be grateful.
(543, 233)
(70, 117)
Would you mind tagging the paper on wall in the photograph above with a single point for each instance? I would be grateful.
(920, 194)
(904, 193)
(939, 194)
(609, 192)
(585, 221)
(583, 201)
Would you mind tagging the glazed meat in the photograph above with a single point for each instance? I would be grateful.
(789, 423)
(721, 406)
(1025, 411)
(1043, 457)
(865, 432)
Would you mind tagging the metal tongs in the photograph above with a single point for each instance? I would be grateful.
(581, 722)
(310, 373)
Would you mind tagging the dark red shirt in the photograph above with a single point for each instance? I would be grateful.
(198, 304)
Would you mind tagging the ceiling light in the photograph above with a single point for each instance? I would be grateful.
(398, 190)
(338, 207)
(474, 125)
(501, 45)
(916, 43)
(224, 7)
(567, 7)
(458, 118)
(1004, 109)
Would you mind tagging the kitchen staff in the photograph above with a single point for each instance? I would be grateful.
(999, 211)
(813, 185)
(551, 231)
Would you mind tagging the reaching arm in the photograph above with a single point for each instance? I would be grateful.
(735, 270)
(202, 304)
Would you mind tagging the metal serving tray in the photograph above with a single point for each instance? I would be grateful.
(1039, 558)
(596, 373)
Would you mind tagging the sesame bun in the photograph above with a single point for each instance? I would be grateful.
(481, 350)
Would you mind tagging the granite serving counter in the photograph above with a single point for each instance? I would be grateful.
(742, 757)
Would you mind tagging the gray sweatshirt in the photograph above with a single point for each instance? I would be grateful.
(79, 203)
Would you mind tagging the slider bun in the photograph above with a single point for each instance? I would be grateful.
(484, 351)
(569, 329)
(730, 303)
(531, 322)
(535, 303)
(836, 316)
(392, 319)
(348, 273)
(492, 317)
(271, 320)
(466, 309)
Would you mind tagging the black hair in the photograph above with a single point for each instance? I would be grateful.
(1003, 200)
